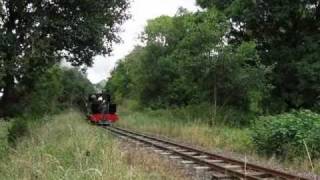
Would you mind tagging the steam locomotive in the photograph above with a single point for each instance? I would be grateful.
(101, 110)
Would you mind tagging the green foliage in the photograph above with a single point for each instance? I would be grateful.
(220, 4)
(286, 34)
(18, 129)
(56, 89)
(76, 88)
(185, 61)
(44, 99)
(285, 135)
(239, 77)
(36, 35)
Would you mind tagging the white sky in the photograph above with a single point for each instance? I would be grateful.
(141, 11)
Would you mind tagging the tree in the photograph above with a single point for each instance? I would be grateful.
(56, 89)
(76, 88)
(36, 34)
(220, 4)
(44, 98)
(126, 78)
(187, 61)
(287, 34)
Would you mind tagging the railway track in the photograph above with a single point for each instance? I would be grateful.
(219, 167)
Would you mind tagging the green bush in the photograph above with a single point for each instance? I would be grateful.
(287, 135)
(18, 129)
(57, 89)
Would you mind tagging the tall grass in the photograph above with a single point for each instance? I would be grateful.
(189, 126)
(4, 125)
(67, 147)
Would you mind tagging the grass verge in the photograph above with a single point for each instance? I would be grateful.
(66, 147)
(220, 138)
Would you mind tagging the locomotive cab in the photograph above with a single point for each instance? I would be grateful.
(102, 110)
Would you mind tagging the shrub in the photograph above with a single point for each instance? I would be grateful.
(285, 135)
(18, 129)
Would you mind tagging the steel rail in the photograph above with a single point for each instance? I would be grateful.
(248, 168)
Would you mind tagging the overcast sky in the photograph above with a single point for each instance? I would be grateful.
(141, 11)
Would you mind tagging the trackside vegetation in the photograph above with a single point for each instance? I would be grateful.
(274, 142)
(65, 146)
(288, 135)
(57, 89)
(38, 39)
(250, 66)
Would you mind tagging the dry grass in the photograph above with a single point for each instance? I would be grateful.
(193, 132)
(150, 161)
(220, 138)
(66, 147)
